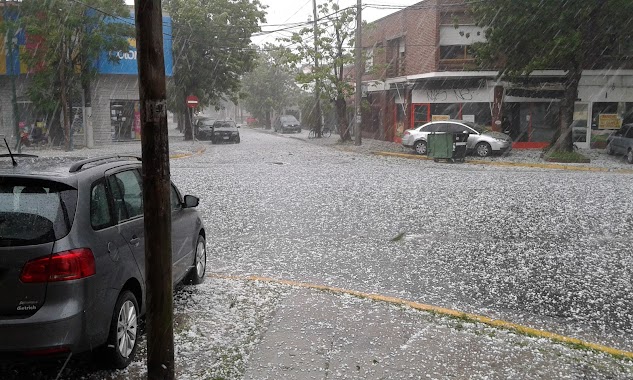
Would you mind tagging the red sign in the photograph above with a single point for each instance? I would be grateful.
(192, 101)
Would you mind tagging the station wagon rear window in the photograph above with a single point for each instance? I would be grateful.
(35, 212)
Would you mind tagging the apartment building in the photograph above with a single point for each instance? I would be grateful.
(419, 67)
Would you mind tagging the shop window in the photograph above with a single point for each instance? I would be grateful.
(579, 124)
(478, 113)
(125, 120)
(420, 114)
(607, 117)
(445, 111)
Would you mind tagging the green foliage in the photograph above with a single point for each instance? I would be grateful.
(570, 157)
(212, 48)
(335, 42)
(530, 35)
(271, 85)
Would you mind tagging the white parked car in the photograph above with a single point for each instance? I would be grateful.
(479, 142)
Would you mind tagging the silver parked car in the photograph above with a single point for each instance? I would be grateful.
(480, 142)
(621, 142)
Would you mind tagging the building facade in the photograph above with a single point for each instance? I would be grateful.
(419, 68)
(110, 115)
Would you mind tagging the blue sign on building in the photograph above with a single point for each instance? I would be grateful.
(127, 62)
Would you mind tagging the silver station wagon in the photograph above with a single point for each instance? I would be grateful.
(72, 260)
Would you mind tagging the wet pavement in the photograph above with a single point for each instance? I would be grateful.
(544, 248)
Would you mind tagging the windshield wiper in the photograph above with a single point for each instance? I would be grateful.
(12, 155)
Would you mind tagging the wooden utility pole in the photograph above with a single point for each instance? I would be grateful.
(359, 75)
(156, 189)
(317, 83)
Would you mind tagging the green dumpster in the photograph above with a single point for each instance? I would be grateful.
(440, 146)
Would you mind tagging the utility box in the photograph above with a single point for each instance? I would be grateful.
(447, 146)
(440, 146)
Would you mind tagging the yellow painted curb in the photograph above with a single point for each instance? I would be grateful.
(515, 164)
(184, 155)
(498, 323)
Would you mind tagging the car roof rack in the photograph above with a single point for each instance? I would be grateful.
(77, 166)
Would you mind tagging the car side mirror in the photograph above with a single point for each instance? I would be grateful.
(191, 201)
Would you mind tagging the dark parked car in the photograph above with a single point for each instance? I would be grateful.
(621, 142)
(287, 123)
(72, 261)
(204, 128)
(225, 131)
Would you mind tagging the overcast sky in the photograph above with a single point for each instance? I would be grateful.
(289, 11)
(292, 11)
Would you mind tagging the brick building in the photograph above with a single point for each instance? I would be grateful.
(419, 68)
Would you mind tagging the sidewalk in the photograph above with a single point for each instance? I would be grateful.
(178, 148)
(322, 335)
(600, 160)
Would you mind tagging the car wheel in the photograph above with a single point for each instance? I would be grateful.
(237, 140)
(629, 156)
(420, 147)
(197, 272)
(610, 151)
(124, 332)
(483, 149)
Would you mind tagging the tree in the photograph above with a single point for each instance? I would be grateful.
(335, 38)
(270, 87)
(530, 35)
(67, 38)
(211, 42)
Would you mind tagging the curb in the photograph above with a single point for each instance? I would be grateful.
(185, 155)
(497, 323)
(514, 164)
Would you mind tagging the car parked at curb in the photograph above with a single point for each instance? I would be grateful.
(480, 142)
(72, 256)
(204, 128)
(287, 123)
(225, 131)
(621, 142)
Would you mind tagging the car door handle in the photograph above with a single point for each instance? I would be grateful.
(135, 241)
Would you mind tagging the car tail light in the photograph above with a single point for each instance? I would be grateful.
(63, 266)
(406, 133)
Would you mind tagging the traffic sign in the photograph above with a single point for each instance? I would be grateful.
(192, 101)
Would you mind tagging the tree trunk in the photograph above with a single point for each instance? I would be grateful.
(180, 118)
(187, 120)
(267, 123)
(343, 121)
(55, 130)
(64, 99)
(564, 143)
